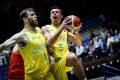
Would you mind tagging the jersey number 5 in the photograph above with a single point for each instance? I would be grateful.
(61, 47)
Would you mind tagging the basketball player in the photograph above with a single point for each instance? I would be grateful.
(16, 66)
(56, 37)
(31, 44)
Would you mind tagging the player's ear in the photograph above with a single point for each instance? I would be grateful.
(24, 19)
(61, 16)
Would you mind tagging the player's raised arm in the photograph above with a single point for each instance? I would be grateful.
(73, 30)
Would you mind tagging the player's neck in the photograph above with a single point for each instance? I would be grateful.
(29, 27)
(56, 25)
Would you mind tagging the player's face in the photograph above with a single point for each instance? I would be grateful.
(32, 18)
(55, 16)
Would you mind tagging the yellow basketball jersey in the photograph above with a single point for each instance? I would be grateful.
(60, 47)
(35, 55)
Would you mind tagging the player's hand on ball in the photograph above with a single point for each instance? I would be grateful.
(75, 25)
(77, 29)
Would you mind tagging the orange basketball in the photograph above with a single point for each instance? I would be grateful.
(76, 22)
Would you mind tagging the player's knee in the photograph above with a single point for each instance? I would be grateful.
(73, 57)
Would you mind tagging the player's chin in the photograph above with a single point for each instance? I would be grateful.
(36, 23)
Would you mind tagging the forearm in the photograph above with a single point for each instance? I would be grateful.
(78, 40)
(7, 44)
(50, 50)
(53, 38)
(2, 47)
(75, 38)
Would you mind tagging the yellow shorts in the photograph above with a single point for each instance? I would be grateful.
(48, 76)
(59, 69)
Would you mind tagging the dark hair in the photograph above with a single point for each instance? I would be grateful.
(24, 12)
(56, 7)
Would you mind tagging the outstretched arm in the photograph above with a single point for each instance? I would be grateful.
(12, 41)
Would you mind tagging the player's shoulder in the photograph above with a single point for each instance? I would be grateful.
(19, 34)
(44, 28)
(22, 33)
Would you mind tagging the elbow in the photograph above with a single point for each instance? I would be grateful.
(49, 44)
(78, 43)
(50, 50)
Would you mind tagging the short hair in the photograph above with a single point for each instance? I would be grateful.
(56, 7)
(24, 12)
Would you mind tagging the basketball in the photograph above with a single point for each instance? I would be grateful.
(76, 22)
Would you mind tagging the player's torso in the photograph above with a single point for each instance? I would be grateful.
(35, 54)
(60, 46)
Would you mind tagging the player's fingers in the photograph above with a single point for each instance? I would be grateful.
(66, 18)
(76, 28)
(68, 22)
(80, 25)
